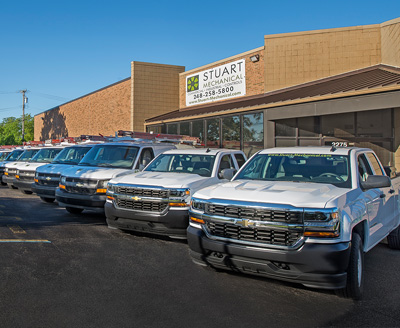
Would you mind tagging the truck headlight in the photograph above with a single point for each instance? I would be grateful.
(102, 186)
(178, 197)
(198, 206)
(110, 192)
(322, 223)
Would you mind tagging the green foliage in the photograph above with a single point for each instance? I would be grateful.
(11, 130)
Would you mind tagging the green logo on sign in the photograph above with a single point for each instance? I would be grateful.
(193, 83)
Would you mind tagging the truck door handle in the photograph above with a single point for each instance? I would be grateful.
(382, 195)
(391, 191)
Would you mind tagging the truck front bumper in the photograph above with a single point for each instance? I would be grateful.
(44, 191)
(173, 223)
(8, 180)
(312, 265)
(66, 199)
(23, 185)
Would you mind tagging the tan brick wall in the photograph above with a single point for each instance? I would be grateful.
(254, 74)
(101, 112)
(155, 91)
(295, 58)
(390, 32)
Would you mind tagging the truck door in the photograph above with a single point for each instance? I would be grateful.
(375, 201)
(387, 212)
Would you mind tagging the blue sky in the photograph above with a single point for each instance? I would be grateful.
(61, 50)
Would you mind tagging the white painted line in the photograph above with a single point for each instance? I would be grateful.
(25, 241)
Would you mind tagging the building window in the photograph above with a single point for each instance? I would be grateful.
(339, 126)
(231, 132)
(213, 133)
(253, 133)
(198, 129)
(172, 128)
(155, 128)
(184, 128)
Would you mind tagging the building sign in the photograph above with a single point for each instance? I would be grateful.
(218, 83)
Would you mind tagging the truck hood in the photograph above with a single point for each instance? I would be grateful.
(53, 168)
(163, 179)
(30, 166)
(297, 194)
(93, 172)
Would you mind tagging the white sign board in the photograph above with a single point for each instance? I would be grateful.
(218, 83)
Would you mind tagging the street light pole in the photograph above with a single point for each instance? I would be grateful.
(23, 113)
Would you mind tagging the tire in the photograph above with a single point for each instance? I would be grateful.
(394, 239)
(74, 210)
(355, 271)
(47, 200)
(11, 186)
(27, 192)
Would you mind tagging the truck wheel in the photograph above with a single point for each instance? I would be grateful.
(355, 270)
(11, 186)
(74, 210)
(27, 192)
(47, 200)
(394, 238)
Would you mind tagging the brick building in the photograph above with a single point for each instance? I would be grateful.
(151, 90)
(303, 88)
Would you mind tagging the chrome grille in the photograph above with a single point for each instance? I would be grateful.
(86, 186)
(48, 179)
(258, 214)
(134, 191)
(141, 205)
(26, 176)
(278, 237)
(12, 172)
(80, 190)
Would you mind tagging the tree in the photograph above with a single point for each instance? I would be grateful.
(11, 130)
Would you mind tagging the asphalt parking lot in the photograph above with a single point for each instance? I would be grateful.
(64, 270)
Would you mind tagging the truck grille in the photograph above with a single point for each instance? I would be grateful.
(48, 179)
(141, 205)
(254, 213)
(26, 176)
(12, 172)
(81, 186)
(133, 191)
(276, 237)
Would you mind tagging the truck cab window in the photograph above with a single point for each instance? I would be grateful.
(364, 170)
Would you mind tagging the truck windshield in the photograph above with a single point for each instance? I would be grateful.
(71, 155)
(27, 155)
(14, 155)
(317, 168)
(179, 163)
(45, 155)
(3, 155)
(116, 156)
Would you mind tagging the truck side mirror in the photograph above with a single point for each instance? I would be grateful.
(376, 181)
(227, 173)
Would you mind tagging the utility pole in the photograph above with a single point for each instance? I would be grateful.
(24, 101)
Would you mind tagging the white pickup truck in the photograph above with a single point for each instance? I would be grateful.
(84, 186)
(304, 215)
(157, 200)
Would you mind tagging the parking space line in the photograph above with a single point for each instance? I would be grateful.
(16, 229)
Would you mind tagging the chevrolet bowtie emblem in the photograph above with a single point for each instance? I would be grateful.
(245, 223)
(79, 184)
(48, 178)
(136, 198)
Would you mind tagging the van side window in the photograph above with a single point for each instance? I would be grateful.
(375, 164)
(364, 170)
